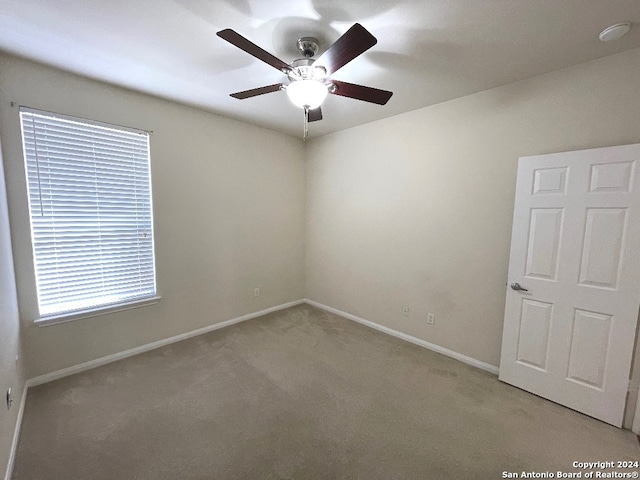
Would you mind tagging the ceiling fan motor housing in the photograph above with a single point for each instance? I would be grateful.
(308, 46)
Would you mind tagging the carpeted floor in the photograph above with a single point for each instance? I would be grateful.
(299, 394)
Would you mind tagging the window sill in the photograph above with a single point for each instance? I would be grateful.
(95, 312)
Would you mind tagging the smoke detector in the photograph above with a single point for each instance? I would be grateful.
(614, 32)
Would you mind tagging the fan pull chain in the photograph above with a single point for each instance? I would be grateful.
(306, 123)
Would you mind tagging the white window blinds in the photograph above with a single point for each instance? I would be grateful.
(91, 217)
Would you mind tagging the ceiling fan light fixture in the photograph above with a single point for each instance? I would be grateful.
(307, 93)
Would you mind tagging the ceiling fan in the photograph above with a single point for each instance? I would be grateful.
(309, 79)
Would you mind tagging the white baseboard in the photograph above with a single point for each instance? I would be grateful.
(16, 435)
(403, 336)
(65, 372)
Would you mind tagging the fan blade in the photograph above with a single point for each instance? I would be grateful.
(360, 92)
(354, 42)
(315, 114)
(257, 91)
(251, 48)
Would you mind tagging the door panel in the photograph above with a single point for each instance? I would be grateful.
(601, 251)
(589, 348)
(544, 241)
(533, 338)
(614, 177)
(576, 227)
(549, 180)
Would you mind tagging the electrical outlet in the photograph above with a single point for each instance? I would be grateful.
(431, 318)
(9, 398)
(405, 311)
(256, 292)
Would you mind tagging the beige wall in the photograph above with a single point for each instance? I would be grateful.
(228, 211)
(11, 375)
(416, 209)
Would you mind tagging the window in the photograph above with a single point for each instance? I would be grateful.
(89, 191)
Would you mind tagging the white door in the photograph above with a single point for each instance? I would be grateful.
(575, 248)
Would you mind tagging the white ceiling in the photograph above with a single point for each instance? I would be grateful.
(428, 51)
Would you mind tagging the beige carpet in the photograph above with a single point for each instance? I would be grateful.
(299, 394)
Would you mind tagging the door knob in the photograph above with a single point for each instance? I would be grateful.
(517, 287)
